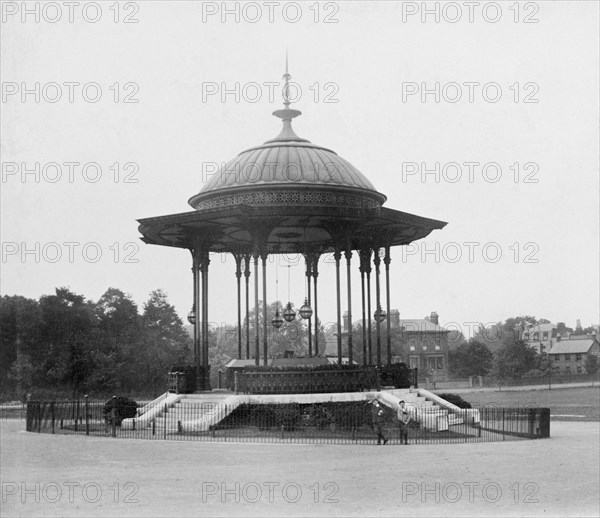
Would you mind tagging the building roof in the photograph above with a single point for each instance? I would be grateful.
(299, 362)
(540, 327)
(292, 165)
(422, 325)
(572, 346)
(411, 325)
(236, 362)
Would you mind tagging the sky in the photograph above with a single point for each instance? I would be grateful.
(485, 117)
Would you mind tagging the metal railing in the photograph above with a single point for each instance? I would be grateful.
(340, 422)
(268, 380)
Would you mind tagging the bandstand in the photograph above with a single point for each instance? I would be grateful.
(288, 196)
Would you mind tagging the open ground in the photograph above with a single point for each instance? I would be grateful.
(46, 475)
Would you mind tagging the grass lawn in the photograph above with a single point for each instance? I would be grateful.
(566, 404)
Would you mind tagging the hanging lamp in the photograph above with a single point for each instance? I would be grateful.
(277, 321)
(289, 314)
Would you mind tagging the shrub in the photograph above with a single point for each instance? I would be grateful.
(124, 409)
(455, 399)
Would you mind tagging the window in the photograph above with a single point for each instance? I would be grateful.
(536, 336)
(578, 357)
(545, 335)
(440, 362)
(579, 369)
(542, 349)
(568, 369)
(437, 347)
(525, 336)
(424, 347)
(431, 363)
(567, 357)
(413, 361)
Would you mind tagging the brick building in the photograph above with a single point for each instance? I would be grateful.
(419, 342)
(569, 355)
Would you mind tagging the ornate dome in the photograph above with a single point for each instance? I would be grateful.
(288, 170)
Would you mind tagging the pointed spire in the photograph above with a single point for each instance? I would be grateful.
(287, 114)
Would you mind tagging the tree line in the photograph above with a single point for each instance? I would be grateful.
(63, 345)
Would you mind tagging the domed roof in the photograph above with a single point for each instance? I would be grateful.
(288, 170)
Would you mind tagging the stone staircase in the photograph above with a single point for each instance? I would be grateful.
(173, 413)
(199, 407)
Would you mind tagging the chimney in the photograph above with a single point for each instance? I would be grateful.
(394, 318)
(434, 318)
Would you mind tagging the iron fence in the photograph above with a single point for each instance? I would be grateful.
(338, 423)
(274, 380)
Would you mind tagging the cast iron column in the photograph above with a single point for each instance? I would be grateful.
(348, 255)
(315, 271)
(197, 350)
(204, 266)
(377, 261)
(256, 320)
(388, 325)
(337, 256)
(247, 277)
(369, 314)
(364, 319)
(265, 328)
(308, 260)
(238, 274)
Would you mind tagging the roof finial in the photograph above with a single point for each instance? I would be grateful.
(286, 86)
(287, 114)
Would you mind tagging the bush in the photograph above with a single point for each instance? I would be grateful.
(124, 409)
(455, 399)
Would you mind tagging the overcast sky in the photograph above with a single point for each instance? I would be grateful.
(528, 108)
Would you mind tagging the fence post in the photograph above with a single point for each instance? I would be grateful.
(165, 422)
(236, 387)
(77, 414)
(220, 382)
(113, 416)
(52, 413)
(39, 417)
(87, 415)
(153, 426)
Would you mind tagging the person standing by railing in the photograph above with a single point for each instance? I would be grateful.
(404, 419)
(378, 420)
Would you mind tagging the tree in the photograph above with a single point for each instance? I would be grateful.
(591, 363)
(165, 342)
(291, 336)
(68, 331)
(513, 360)
(471, 359)
(19, 335)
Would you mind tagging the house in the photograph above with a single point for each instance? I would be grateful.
(541, 337)
(569, 355)
(419, 342)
